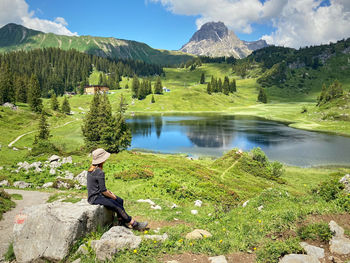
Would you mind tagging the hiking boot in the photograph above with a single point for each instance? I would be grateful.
(140, 226)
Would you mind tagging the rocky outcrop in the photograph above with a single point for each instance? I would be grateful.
(215, 40)
(47, 232)
(346, 182)
(297, 258)
(21, 184)
(339, 244)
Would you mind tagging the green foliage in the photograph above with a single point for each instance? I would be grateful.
(135, 86)
(152, 99)
(334, 91)
(7, 91)
(262, 96)
(202, 80)
(54, 102)
(16, 196)
(44, 146)
(135, 173)
(158, 87)
(65, 108)
(34, 94)
(10, 254)
(5, 202)
(258, 155)
(272, 251)
(316, 231)
(329, 190)
(43, 128)
(304, 109)
(343, 201)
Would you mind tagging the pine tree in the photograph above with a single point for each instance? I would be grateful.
(135, 85)
(65, 108)
(233, 87)
(158, 87)
(262, 97)
(44, 132)
(153, 100)
(34, 94)
(91, 123)
(219, 88)
(21, 89)
(100, 80)
(126, 86)
(54, 102)
(202, 81)
(226, 86)
(7, 91)
(213, 84)
(209, 88)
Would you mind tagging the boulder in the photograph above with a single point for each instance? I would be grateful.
(4, 183)
(68, 175)
(296, 258)
(160, 238)
(83, 250)
(21, 184)
(336, 229)
(54, 158)
(198, 203)
(67, 160)
(48, 231)
(346, 182)
(82, 178)
(10, 105)
(52, 171)
(313, 250)
(47, 185)
(198, 234)
(217, 259)
(114, 240)
(339, 244)
(55, 164)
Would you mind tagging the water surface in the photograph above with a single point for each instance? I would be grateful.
(216, 134)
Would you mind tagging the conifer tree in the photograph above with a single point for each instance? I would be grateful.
(262, 97)
(7, 91)
(135, 85)
(153, 100)
(65, 108)
(54, 102)
(149, 87)
(44, 132)
(100, 80)
(213, 85)
(209, 88)
(233, 87)
(21, 89)
(226, 86)
(34, 94)
(202, 81)
(158, 87)
(126, 86)
(219, 88)
(91, 124)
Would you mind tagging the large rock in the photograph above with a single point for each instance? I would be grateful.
(198, 234)
(54, 158)
(312, 250)
(339, 244)
(218, 259)
(4, 183)
(346, 182)
(48, 231)
(296, 258)
(21, 184)
(82, 178)
(113, 241)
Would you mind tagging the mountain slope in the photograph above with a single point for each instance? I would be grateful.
(215, 40)
(15, 37)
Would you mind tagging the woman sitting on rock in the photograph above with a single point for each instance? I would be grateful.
(99, 195)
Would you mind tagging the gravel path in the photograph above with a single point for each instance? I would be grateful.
(6, 224)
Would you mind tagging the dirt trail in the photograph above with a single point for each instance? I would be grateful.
(30, 198)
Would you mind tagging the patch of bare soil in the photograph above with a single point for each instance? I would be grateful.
(161, 224)
(342, 219)
(201, 258)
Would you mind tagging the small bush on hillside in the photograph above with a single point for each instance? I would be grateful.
(272, 251)
(134, 173)
(258, 155)
(318, 231)
(329, 190)
(343, 200)
(276, 169)
(5, 202)
(44, 146)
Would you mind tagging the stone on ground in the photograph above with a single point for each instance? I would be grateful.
(346, 182)
(198, 234)
(47, 185)
(82, 178)
(218, 259)
(4, 183)
(113, 241)
(54, 158)
(296, 258)
(160, 238)
(313, 250)
(48, 231)
(339, 244)
(21, 184)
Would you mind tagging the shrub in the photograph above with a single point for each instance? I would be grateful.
(258, 155)
(133, 174)
(317, 231)
(272, 251)
(329, 190)
(343, 200)
(277, 169)
(44, 146)
(5, 202)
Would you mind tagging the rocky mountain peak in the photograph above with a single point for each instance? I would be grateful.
(214, 31)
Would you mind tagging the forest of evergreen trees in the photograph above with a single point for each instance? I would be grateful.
(59, 71)
(217, 85)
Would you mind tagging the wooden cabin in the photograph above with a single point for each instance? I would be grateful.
(92, 89)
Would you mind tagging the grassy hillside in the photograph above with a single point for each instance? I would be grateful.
(15, 37)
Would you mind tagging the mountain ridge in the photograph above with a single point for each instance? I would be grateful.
(14, 37)
(214, 39)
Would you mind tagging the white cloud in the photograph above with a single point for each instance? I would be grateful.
(16, 11)
(296, 22)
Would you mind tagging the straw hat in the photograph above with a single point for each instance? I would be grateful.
(99, 156)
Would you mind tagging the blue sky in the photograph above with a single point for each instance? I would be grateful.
(169, 24)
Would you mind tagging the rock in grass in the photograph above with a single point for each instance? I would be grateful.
(194, 212)
(198, 203)
(21, 184)
(47, 185)
(83, 250)
(296, 258)
(346, 182)
(113, 241)
(339, 244)
(161, 238)
(218, 259)
(313, 250)
(4, 183)
(54, 158)
(48, 231)
(198, 234)
(82, 178)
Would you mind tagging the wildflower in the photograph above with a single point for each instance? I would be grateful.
(155, 241)
(304, 184)
(146, 232)
(180, 240)
(224, 229)
(204, 236)
(220, 241)
(259, 221)
(191, 244)
(255, 248)
(135, 251)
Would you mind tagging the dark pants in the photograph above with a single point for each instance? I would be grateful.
(114, 205)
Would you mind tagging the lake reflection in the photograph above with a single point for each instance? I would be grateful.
(214, 135)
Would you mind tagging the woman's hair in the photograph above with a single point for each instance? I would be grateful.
(94, 166)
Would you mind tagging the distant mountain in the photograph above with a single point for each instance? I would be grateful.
(16, 37)
(215, 40)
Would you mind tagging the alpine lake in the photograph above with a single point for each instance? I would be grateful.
(213, 135)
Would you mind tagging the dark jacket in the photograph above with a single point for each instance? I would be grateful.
(95, 184)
